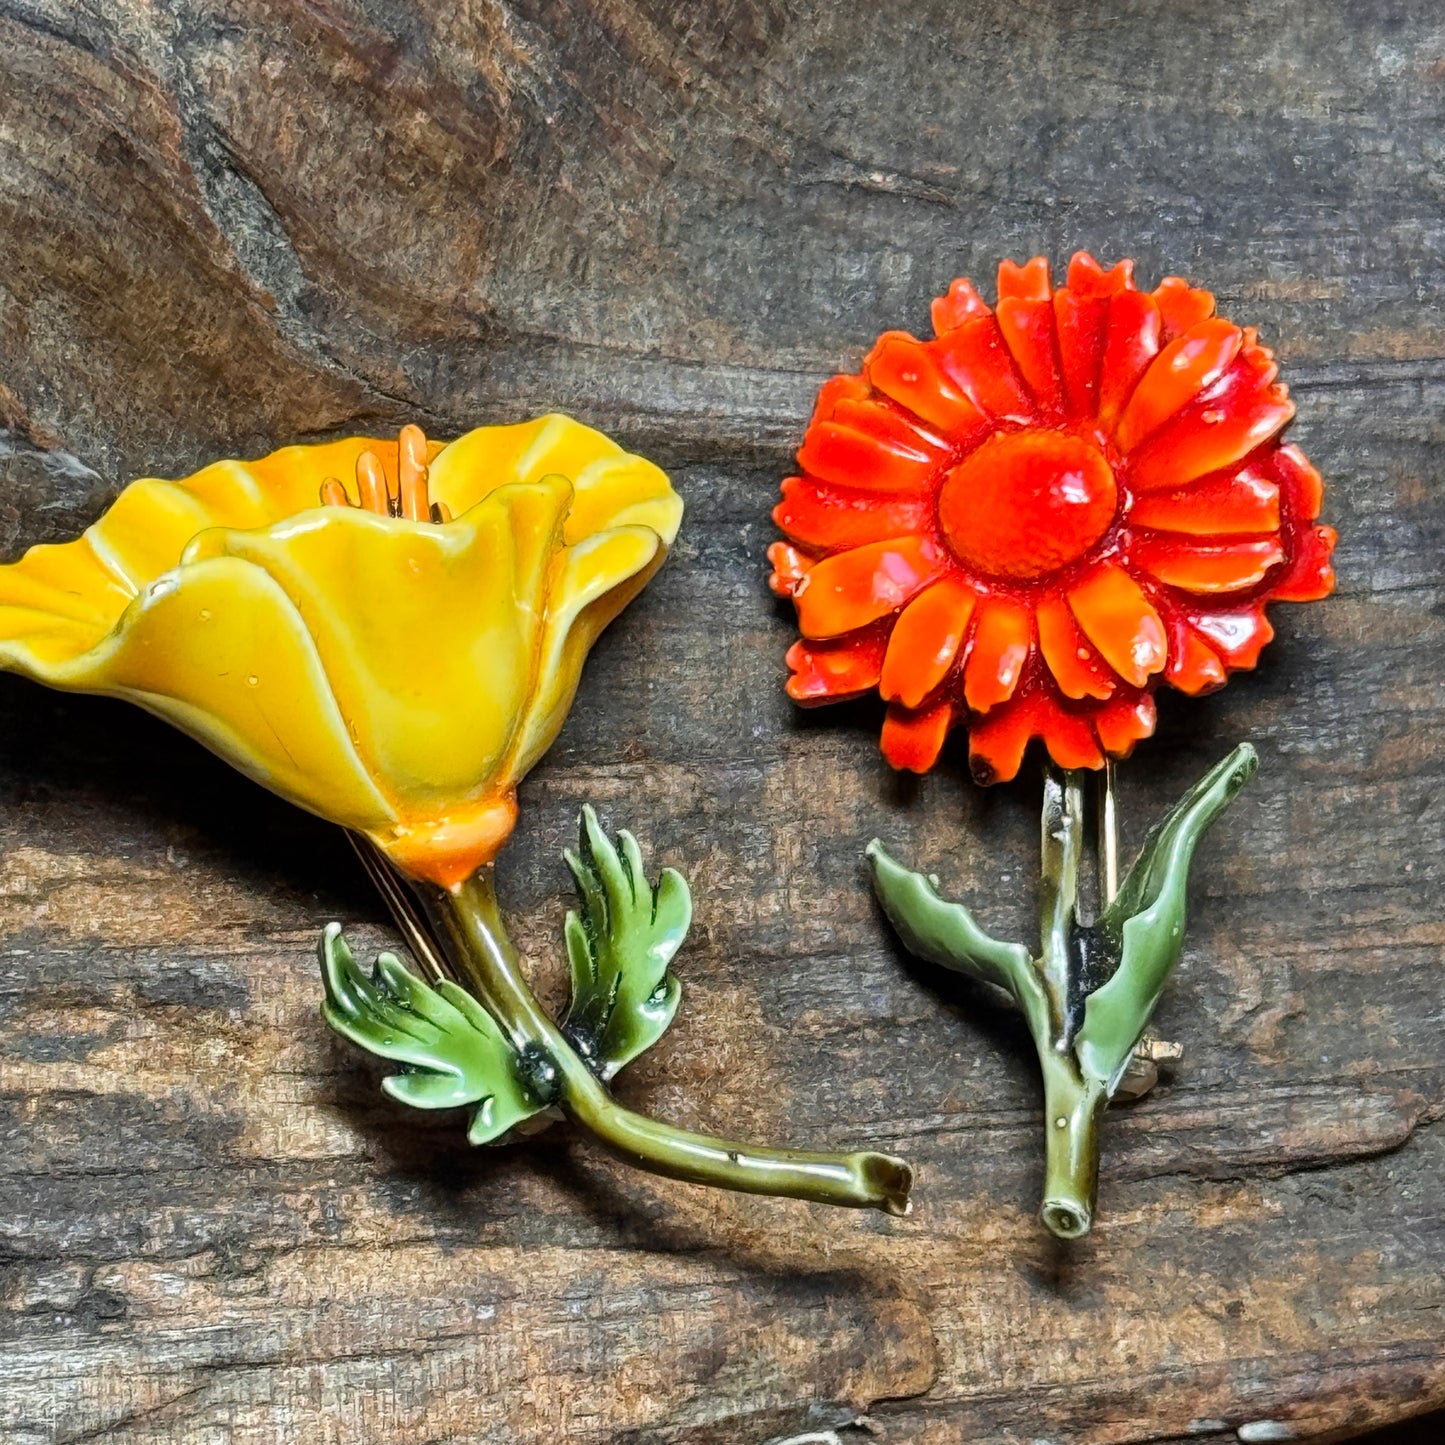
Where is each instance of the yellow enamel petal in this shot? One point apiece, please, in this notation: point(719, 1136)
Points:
point(32, 640)
point(623, 491)
point(65, 583)
point(612, 487)
point(232, 495)
point(479, 462)
point(219, 650)
point(428, 635)
point(147, 529)
point(590, 584)
point(565, 446)
point(149, 525)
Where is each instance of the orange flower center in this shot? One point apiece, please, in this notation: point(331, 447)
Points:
point(408, 498)
point(1027, 503)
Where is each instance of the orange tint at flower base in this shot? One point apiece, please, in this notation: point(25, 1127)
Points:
point(1025, 524)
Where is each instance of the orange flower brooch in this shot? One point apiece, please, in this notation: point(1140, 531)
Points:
point(1022, 527)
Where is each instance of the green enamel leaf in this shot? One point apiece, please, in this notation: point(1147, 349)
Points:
point(1148, 918)
point(451, 1050)
point(620, 945)
point(948, 934)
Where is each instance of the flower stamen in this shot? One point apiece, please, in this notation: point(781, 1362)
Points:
point(371, 484)
point(412, 472)
point(410, 497)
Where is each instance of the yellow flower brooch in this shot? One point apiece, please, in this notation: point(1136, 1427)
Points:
point(390, 634)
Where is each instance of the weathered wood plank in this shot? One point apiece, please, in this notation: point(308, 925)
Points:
point(224, 227)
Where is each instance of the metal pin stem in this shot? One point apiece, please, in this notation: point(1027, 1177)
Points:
point(403, 907)
point(1108, 839)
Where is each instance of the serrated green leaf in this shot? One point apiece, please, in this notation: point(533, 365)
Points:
point(619, 946)
point(948, 934)
point(452, 1051)
point(1148, 918)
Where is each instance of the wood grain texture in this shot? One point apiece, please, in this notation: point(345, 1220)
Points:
point(225, 226)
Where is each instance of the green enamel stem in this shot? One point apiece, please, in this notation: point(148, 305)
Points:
point(1072, 1106)
point(1061, 847)
point(1088, 996)
point(861, 1180)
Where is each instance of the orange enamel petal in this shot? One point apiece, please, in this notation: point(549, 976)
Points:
point(1002, 637)
point(962, 303)
point(1075, 665)
point(790, 566)
point(1238, 635)
point(1068, 737)
point(1210, 440)
point(1132, 339)
point(848, 387)
point(1194, 667)
point(925, 641)
point(1175, 377)
point(852, 589)
point(1122, 723)
point(906, 371)
point(1000, 740)
point(333, 494)
point(1196, 566)
point(853, 458)
point(1310, 574)
point(1088, 278)
point(977, 361)
point(1029, 282)
point(1181, 305)
point(1028, 328)
point(1219, 506)
point(1121, 622)
point(913, 740)
point(828, 518)
point(1302, 483)
point(874, 417)
point(1241, 412)
point(1082, 322)
point(997, 743)
point(831, 671)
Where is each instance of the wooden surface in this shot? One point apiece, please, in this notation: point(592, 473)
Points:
point(226, 226)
